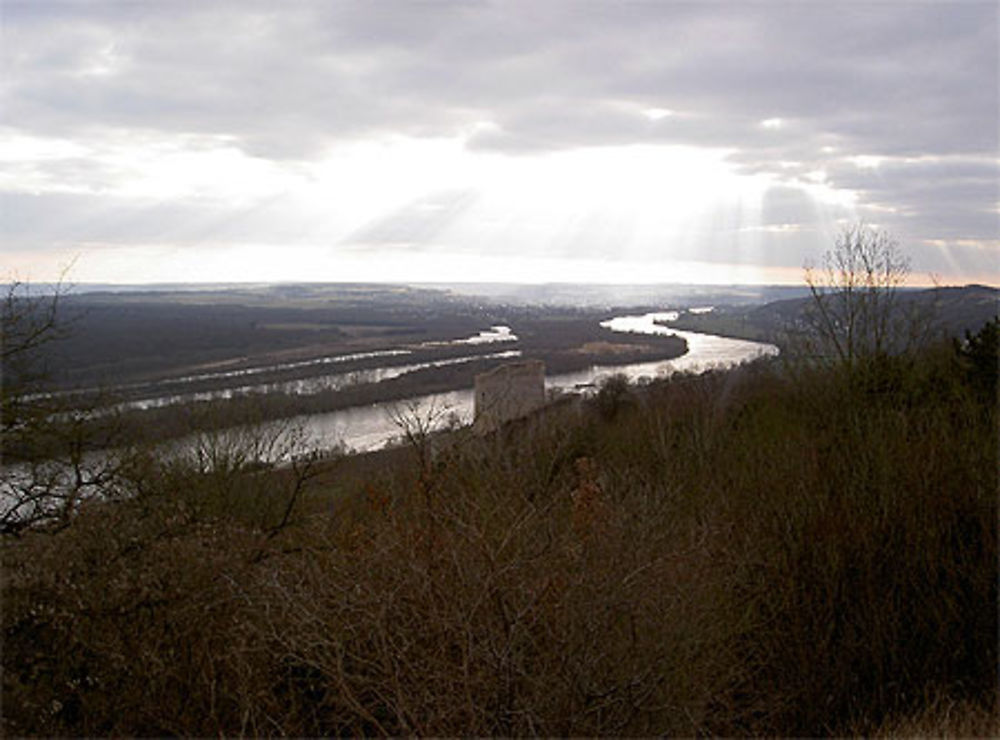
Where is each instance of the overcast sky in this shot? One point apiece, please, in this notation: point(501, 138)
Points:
point(151, 141)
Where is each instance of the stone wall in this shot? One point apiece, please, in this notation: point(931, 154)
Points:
point(508, 392)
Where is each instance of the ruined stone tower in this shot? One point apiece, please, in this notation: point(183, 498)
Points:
point(508, 392)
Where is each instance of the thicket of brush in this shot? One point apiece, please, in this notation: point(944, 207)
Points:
point(763, 551)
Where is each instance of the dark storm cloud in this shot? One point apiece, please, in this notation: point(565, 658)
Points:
point(892, 76)
point(954, 197)
point(836, 80)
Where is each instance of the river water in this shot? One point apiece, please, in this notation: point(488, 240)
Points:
point(371, 427)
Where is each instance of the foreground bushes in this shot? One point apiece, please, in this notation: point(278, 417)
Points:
point(739, 553)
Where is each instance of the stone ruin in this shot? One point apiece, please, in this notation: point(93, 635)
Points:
point(508, 392)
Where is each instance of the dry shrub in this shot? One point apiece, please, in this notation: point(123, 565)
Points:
point(125, 626)
point(942, 716)
point(738, 553)
point(491, 614)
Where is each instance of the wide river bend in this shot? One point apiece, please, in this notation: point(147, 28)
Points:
point(371, 427)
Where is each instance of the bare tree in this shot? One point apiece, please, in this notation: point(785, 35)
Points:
point(49, 458)
point(28, 323)
point(417, 423)
point(59, 450)
point(856, 312)
point(254, 473)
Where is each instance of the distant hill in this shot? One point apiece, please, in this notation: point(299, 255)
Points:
point(593, 295)
point(961, 309)
point(954, 310)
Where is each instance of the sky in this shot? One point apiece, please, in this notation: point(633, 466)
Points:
point(535, 141)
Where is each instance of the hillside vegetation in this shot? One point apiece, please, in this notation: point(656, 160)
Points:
point(775, 550)
point(940, 312)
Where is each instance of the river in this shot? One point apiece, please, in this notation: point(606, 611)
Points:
point(370, 427)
